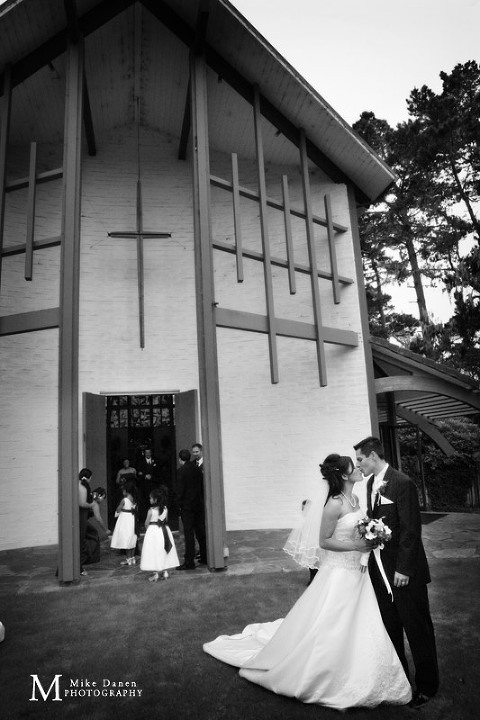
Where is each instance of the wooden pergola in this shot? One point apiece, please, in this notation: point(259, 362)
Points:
point(412, 389)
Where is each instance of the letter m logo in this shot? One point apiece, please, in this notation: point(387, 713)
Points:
point(54, 687)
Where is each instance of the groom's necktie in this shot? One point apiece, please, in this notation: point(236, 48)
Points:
point(375, 498)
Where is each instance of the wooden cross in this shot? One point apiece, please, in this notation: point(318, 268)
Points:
point(140, 235)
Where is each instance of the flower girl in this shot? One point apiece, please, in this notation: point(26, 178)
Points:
point(124, 536)
point(158, 551)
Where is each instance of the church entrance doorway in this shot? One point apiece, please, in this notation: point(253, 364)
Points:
point(123, 427)
point(135, 424)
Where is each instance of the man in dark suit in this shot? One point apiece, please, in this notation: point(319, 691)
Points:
point(189, 501)
point(197, 455)
point(393, 496)
point(147, 478)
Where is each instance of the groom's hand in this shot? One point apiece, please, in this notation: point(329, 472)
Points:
point(400, 580)
point(364, 545)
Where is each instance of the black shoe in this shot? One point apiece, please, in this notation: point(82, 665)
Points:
point(184, 566)
point(419, 700)
point(202, 562)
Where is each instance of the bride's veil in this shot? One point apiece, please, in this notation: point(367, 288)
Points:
point(303, 543)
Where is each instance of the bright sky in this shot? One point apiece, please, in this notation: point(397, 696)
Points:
point(369, 54)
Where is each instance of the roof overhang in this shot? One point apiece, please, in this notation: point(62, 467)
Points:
point(234, 48)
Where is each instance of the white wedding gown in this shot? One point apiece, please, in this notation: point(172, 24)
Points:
point(331, 648)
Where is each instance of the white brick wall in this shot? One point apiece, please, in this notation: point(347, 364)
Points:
point(28, 440)
point(274, 436)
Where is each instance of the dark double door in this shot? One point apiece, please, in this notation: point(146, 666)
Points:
point(124, 426)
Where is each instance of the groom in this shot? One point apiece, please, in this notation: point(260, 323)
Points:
point(391, 495)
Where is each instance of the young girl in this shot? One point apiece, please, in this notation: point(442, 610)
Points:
point(124, 536)
point(158, 551)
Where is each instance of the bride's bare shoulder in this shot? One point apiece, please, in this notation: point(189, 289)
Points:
point(333, 505)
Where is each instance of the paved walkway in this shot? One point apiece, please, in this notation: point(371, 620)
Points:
point(32, 570)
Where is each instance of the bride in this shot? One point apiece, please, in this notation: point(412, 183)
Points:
point(331, 648)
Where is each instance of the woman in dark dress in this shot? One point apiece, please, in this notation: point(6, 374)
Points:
point(96, 528)
point(85, 501)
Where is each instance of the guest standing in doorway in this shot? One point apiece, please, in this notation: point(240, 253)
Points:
point(189, 501)
point(126, 472)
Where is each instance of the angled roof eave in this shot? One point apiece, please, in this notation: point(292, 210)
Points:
point(255, 59)
point(375, 176)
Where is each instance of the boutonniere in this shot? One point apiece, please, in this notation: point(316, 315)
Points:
point(382, 487)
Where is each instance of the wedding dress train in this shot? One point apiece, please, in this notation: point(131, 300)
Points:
point(331, 648)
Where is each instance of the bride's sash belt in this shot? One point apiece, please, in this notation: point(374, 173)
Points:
point(378, 558)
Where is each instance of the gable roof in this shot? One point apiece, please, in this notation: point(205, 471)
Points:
point(33, 38)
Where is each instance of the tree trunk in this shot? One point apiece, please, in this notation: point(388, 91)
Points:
point(381, 310)
point(419, 292)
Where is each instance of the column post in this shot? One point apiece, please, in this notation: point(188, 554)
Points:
point(206, 323)
point(68, 428)
point(5, 114)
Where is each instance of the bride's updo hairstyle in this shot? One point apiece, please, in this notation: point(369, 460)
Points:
point(333, 468)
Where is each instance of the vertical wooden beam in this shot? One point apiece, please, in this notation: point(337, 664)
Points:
point(197, 47)
point(206, 326)
point(288, 236)
point(267, 266)
point(138, 12)
point(186, 125)
point(69, 549)
point(140, 270)
point(331, 247)
point(32, 189)
point(421, 468)
point(88, 120)
point(4, 133)
point(75, 35)
point(393, 445)
point(237, 217)
point(362, 300)
point(312, 259)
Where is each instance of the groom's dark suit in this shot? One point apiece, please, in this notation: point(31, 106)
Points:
point(404, 553)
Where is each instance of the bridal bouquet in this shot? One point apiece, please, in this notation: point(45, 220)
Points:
point(372, 529)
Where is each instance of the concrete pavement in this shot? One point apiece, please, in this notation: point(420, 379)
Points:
point(32, 570)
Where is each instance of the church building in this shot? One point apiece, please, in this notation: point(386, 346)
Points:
point(180, 262)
